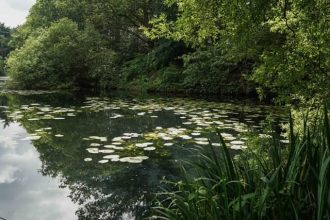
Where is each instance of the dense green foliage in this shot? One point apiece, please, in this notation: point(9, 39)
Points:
point(288, 41)
point(268, 181)
point(278, 47)
point(5, 33)
point(66, 43)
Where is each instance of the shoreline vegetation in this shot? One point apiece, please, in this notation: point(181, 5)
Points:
point(274, 50)
point(268, 180)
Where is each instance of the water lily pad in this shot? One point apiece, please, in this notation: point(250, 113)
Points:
point(285, 141)
point(110, 157)
point(166, 138)
point(107, 151)
point(116, 116)
point(131, 160)
point(103, 139)
point(201, 139)
point(142, 157)
point(109, 146)
point(238, 147)
point(202, 142)
point(237, 142)
point(33, 119)
point(142, 145)
point(186, 137)
point(226, 135)
point(93, 150)
point(116, 139)
point(149, 148)
point(195, 134)
point(229, 138)
point(32, 138)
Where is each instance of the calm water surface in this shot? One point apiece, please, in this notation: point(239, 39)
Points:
point(84, 157)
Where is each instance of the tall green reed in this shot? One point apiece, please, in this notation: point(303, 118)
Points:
point(292, 182)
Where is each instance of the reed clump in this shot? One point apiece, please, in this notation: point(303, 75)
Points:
point(291, 182)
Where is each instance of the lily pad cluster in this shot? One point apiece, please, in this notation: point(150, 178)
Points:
point(195, 119)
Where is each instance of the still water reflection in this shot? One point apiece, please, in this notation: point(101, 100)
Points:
point(24, 193)
point(71, 157)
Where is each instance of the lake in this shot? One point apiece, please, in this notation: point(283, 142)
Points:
point(69, 156)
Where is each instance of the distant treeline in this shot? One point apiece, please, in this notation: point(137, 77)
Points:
point(271, 47)
point(5, 33)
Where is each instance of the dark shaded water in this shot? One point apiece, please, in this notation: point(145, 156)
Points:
point(74, 157)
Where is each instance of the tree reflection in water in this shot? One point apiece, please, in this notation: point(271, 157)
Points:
point(113, 190)
point(118, 190)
